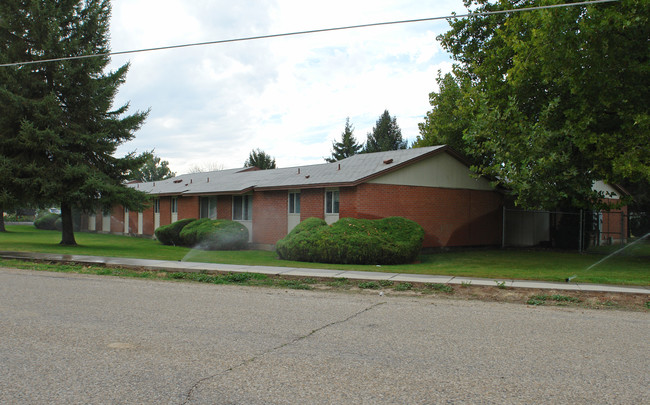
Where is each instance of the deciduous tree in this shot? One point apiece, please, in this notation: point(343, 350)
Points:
point(560, 94)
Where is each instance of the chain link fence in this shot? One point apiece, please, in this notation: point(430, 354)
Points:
point(579, 230)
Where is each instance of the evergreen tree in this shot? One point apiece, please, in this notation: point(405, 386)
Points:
point(153, 169)
point(58, 115)
point(385, 135)
point(260, 159)
point(347, 147)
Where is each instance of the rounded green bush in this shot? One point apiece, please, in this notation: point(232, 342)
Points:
point(170, 234)
point(217, 234)
point(188, 235)
point(391, 240)
point(47, 222)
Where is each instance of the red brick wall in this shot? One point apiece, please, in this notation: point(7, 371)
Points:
point(133, 221)
point(147, 221)
point(117, 219)
point(312, 203)
point(165, 211)
point(188, 207)
point(450, 217)
point(614, 226)
point(224, 207)
point(269, 216)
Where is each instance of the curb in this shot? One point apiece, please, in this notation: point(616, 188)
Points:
point(193, 267)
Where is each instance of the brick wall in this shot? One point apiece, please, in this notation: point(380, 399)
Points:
point(117, 219)
point(450, 217)
point(165, 211)
point(224, 207)
point(269, 216)
point(312, 203)
point(148, 221)
point(188, 207)
point(614, 223)
point(133, 221)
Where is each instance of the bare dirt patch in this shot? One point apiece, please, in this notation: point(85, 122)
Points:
point(536, 297)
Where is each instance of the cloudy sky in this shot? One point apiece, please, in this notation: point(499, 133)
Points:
point(290, 96)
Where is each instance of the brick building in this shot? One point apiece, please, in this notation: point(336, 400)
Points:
point(432, 186)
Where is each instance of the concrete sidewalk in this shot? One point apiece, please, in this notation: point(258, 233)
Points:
point(180, 266)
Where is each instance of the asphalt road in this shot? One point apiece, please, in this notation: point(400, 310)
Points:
point(72, 339)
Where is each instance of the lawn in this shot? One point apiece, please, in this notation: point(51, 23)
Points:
point(630, 266)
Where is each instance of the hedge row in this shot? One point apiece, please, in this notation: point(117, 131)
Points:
point(204, 234)
point(391, 240)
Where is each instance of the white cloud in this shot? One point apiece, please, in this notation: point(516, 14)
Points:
point(288, 96)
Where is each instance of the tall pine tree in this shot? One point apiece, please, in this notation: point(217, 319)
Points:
point(58, 116)
point(385, 135)
point(347, 147)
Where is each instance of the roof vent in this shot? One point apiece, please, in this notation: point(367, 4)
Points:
point(339, 167)
point(178, 181)
point(307, 176)
point(388, 161)
point(298, 170)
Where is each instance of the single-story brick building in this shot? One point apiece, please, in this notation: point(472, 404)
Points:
point(432, 186)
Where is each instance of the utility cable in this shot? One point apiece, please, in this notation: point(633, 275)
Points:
point(314, 31)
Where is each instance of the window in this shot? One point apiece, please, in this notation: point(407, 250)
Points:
point(331, 202)
point(294, 203)
point(174, 205)
point(156, 206)
point(242, 207)
point(208, 207)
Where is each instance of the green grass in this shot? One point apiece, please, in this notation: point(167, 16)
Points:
point(630, 267)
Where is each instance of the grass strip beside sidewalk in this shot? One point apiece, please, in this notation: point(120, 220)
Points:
point(630, 268)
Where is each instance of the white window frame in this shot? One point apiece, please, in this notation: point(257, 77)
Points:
point(246, 207)
point(333, 207)
point(294, 202)
point(173, 207)
point(208, 207)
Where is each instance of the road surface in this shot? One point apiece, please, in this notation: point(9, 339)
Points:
point(72, 339)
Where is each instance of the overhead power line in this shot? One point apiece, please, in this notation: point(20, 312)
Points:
point(314, 31)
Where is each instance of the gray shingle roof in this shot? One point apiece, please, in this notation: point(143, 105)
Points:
point(347, 172)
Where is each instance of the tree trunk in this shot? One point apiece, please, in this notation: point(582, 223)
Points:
point(67, 230)
point(2, 219)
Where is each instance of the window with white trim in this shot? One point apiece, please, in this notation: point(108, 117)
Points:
point(156, 205)
point(174, 205)
point(242, 207)
point(294, 203)
point(332, 202)
point(208, 207)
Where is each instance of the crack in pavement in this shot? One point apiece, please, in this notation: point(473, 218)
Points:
point(188, 396)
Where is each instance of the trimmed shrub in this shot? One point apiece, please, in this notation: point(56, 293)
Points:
point(48, 222)
point(217, 234)
point(188, 233)
point(391, 240)
point(170, 234)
